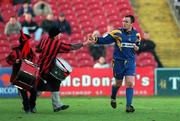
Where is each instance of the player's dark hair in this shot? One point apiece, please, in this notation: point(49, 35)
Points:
point(131, 17)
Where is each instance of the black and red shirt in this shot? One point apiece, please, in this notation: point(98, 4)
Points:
point(48, 49)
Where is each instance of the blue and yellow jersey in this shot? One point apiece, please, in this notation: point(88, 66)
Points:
point(124, 43)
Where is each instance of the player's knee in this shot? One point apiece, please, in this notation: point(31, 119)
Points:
point(129, 84)
point(118, 83)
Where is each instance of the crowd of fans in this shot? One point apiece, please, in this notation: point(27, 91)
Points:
point(25, 20)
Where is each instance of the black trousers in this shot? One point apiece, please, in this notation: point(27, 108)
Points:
point(48, 83)
point(29, 102)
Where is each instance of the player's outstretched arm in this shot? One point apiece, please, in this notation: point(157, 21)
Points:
point(79, 45)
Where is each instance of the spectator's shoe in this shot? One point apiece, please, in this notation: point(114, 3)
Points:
point(130, 109)
point(64, 107)
point(33, 110)
point(113, 103)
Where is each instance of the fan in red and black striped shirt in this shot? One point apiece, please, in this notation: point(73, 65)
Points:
point(48, 48)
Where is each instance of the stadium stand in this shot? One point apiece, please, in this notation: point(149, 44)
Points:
point(159, 22)
point(84, 18)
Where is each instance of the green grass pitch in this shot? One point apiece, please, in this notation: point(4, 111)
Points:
point(94, 109)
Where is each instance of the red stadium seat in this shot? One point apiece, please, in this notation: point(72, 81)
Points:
point(83, 55)
point(6, 7)
point(120, 2)
point(68, 56)
point(4, 50)
point(72, 18)
point(83, 50)
point(147, 62)
point(91, 2)
point(3, 56)
point(144, 56)
point(3, 63)
point(79, 7)
point(81, 13)
point(96, 13)
point(83, 18)
point(63, 7)
point(75, 38)
point(62, 2)
point(87, 30)
point(14, 43)
point(77, 2)
point(13, 37)
point(3, 36)
point(4, 43)
point(85, 63)
point(108, 5)
point(2, 27)
point(93, 6)
point(73, 63)
point(76, 30)
point(86, 24)
point(7, 14)
point(21, 19)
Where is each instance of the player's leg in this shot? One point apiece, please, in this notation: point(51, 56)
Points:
point(114, 91)
point(118, 70)
point(129, 93)
point(129, 80)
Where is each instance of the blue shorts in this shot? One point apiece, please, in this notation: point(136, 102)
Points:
point(123, 68)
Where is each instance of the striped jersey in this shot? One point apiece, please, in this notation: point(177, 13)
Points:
point(48, 49)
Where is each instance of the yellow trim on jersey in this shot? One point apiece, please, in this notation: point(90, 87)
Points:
point(112, 33)
point(119, 44)
point(117, 38)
